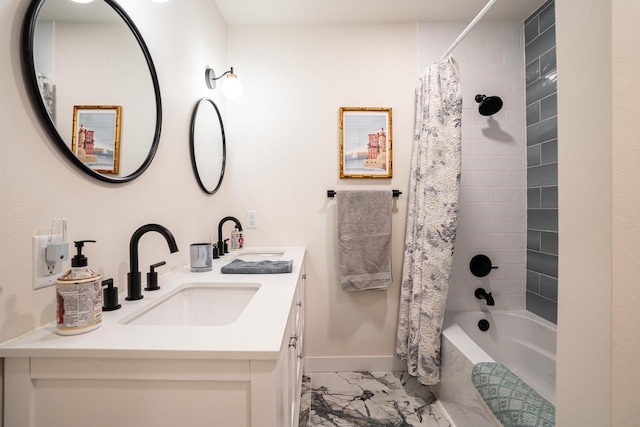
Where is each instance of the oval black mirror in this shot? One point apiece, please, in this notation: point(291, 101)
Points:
point(208, 145)
point(94, 86)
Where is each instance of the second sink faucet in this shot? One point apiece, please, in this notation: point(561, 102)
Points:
point(220, 240)
point(134, 277)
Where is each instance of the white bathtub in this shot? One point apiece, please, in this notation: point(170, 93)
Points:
point(520, 340)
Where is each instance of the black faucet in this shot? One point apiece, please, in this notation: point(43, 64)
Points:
point(221, 251)
point(134, 277)
point(482, 294)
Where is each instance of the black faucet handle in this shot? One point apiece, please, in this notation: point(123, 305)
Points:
point(215, 251)
point(226, 246)
point(109, 296)
point(152, 277)
point(156, 265)
point(480, 265)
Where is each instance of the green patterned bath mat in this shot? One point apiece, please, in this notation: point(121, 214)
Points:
point(512, 401)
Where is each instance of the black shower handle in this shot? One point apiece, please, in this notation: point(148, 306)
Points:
point(480, 265)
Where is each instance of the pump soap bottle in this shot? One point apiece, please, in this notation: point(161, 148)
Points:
point(79, 296)
point(237, 240)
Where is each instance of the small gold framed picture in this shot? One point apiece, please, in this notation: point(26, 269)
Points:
point(96, 136)
point(365, 142)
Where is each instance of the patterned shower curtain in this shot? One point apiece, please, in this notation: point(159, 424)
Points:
point(431, 220)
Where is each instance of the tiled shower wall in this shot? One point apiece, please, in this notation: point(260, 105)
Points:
point(492, 209)
point(542, 162)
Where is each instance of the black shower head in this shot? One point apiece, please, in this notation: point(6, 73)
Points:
point(489, 105)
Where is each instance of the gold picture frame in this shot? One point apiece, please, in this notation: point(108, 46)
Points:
point(365, 142)
point(96, 136)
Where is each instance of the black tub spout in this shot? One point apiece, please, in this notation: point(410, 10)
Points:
point(482, 294)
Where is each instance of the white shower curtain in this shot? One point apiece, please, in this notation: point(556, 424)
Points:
point(431, 220)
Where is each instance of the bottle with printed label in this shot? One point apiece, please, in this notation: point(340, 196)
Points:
point(237, 240)
point(79, 297)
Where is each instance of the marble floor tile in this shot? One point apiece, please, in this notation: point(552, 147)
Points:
point(428, 409)
point(371, 399)
point(305, 401)
point(367, 408)
point(356, 381)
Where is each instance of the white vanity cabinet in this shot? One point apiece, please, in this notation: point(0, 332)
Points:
point(160, 387)
point(294, 358)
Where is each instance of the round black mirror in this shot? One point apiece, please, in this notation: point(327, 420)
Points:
point(93, 85)
point(208, 145)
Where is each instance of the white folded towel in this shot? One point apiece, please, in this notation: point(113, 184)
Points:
point(364, 239)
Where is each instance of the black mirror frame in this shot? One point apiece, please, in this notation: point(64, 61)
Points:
point(192, 146)
point(29, 70)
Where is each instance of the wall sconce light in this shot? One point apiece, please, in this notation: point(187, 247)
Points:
point(231, 86)
point(82, 1)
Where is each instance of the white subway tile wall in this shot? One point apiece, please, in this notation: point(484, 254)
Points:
point(492, 210)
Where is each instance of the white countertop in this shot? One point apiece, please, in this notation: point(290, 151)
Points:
point(256, 334)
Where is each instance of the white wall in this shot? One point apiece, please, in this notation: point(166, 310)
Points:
point(583, 381)
point(38, 183)
point(43, 41)
point(492, 210)
point(626, 203)
point(284, 139)
point(598, 341)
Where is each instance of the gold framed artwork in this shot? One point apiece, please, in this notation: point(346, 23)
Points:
point(96, 136)
point(365, 142)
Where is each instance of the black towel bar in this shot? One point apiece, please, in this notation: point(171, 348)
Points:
point(332, 193)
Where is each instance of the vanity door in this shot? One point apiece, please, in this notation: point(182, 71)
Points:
point(296, 361)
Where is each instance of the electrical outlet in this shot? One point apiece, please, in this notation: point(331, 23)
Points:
point(252, 219)
point(44, 274)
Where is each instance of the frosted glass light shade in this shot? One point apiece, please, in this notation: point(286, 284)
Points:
point(232, 87)
point(82, 1)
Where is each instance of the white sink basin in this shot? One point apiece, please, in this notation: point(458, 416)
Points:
point(260, 256)
point(197, 304)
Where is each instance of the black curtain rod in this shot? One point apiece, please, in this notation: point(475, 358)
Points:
point(332, 193)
